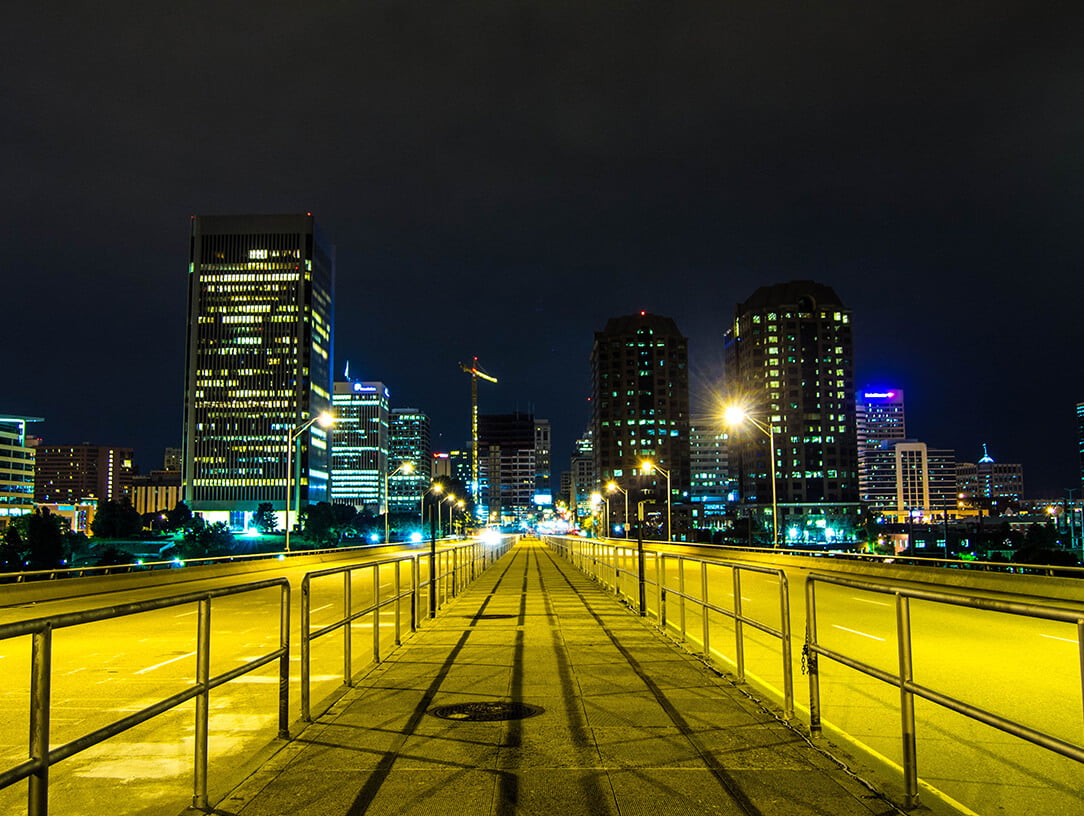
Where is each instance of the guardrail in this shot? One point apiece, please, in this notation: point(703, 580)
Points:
point(904, 678)
point(609, 564)
point(450, 570)
point(42, 757)
point(171, 563)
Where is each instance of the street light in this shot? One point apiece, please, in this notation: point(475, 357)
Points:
point(451, 499)
point(646, 467)
point(612, 487)
point(325, 420)
point(405, 467)
point(596, 501)
point(735, 415)
point(436, 488)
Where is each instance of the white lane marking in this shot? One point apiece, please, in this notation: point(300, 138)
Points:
point(317, 609)
point(856, 632)
point(867, 600)
point(1067, 640)
point(164, 663)
point(186, 614)
point(76, 671)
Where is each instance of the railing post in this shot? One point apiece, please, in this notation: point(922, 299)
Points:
point(784, 628)
point(660, 562)
point(203, 674)
point(376, 613)
point(810, 652)
point(306, 648)
point(681, 592)
point(658, 583)
point(739, 629)
point(40, 693)
point(415, 592)
point(907, 701)
point(705, 631)
point(348, 627)
point(398, 603)
point(284, 663)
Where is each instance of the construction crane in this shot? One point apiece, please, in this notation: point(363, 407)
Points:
point(475, 373)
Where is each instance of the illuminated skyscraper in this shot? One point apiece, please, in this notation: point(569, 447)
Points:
point(409, 441)
point(790, 361)
point(16, 467)
point(359, 449)
point(1080, 441)
point(67, 474)
point(640, 400)
point(511, 464)
point(258, 361)
point(879, 418)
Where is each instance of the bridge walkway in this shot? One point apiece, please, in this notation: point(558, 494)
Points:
point(623, 722)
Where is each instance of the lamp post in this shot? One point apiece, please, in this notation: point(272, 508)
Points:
point(404, 467)
point(736, 415)
point(646, 467)
point(451, 499)
point(325, 420)
point(436, 488)
point(612, 487)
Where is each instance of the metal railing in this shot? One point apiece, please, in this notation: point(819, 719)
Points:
point(608, 564)
point(454, 569)
point(904, 678)
point(42, 757)
point(167, 564)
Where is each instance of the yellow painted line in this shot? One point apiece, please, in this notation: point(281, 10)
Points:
point(856, 632)
point(164, 663)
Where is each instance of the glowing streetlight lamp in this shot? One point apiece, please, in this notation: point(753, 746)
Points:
point(646, 467)
point(613, 487)
point(405, 467)
point(324, 420)
point(736, 415)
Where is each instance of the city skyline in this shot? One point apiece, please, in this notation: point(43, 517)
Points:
point(499, 183)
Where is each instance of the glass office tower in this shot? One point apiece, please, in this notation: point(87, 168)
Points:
point(260, 293)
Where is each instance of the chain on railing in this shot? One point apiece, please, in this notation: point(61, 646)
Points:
point(904, 678)
point(608, 564)
point(43, 757)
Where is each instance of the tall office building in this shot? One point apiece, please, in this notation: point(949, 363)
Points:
point(359, 445)
point(409, 441)
point(990, 480)
point(909, 481)
point(16, 467)
point(1080, 442)
point(879, 418)
point(67, 474)
point(790, 361)
point(258, 362)
point(640, 399)
point(543, 435)
point(508, 466)
point(710, 486)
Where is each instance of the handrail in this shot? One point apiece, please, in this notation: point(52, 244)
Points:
point(42, 757)
point(455, 568)
point(904, 678)
point(586, 555)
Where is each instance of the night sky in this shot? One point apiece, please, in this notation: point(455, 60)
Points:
point(499, 178)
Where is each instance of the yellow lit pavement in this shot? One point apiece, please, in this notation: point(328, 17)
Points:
point(623, 722)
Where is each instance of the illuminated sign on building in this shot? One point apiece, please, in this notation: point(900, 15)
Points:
point(878, 395)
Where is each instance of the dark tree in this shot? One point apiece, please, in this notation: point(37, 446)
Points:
point(46, 540)
point(203, 540)
point(180, 517)
point(117, 519)
point(265, 520)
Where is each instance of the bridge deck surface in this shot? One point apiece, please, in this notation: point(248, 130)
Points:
point(630, 723)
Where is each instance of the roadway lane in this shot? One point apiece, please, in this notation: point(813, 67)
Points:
point(104, 671)
point(1020, 668)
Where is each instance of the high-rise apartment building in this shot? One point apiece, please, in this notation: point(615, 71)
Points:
point(543, 436)
point(1080, 441)
point(66, 474)
point(258, 362)
point(359, 445)
point(640, 399)
point(508, 466)
point(409, 441)
point(879, 418)
point(16, 467)
point(790, 363)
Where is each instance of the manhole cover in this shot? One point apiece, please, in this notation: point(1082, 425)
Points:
point(486, 711)
point(493, 616)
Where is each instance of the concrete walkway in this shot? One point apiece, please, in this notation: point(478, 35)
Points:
point(628, 723)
